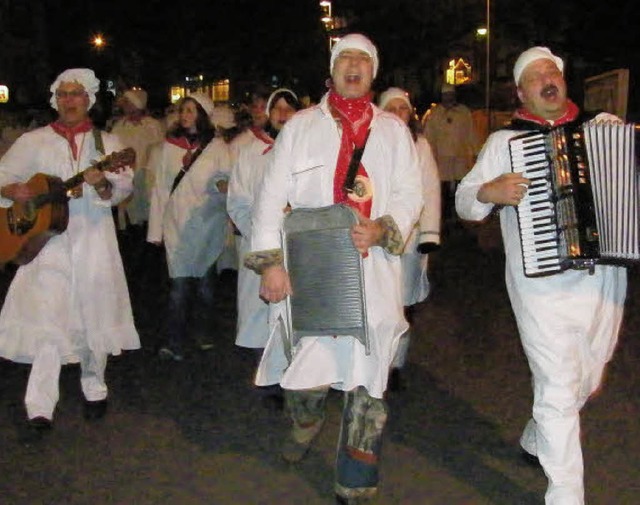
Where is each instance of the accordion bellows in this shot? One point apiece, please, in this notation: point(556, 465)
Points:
point(326, 275)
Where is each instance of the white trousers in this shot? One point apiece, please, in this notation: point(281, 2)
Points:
point(565, 374)
point(43, 386)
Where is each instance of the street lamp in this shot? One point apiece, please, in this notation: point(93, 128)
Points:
point(98, 41)
point(487, 103)
point(327, 19)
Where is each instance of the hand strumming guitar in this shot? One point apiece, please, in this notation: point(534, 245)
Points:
point(18, 192)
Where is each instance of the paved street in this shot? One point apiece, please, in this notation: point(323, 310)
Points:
point(196, 432)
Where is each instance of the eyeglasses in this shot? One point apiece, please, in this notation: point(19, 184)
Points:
point(356, 56)
point(76, 93)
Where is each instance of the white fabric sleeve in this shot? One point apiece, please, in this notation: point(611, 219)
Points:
point(431, 213)
point(406, 197)
point(492, 162)
point(240, 197)
point(267, 215)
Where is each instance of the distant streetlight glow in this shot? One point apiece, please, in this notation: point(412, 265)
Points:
point(327, 19)
point(481, 31)
point(98, 41)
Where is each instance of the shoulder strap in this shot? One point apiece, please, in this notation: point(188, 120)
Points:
point(183, 171)
point(97, 136)
point(354, 164)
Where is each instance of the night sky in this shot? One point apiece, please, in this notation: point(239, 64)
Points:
point(155, 43)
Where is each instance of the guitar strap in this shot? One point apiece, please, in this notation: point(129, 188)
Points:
point(97, 137)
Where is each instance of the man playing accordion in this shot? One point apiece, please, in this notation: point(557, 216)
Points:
point(569, 322)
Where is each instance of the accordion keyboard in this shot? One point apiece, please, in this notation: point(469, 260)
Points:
point(536, 216)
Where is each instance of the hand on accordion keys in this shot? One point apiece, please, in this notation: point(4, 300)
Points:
point(506, 189)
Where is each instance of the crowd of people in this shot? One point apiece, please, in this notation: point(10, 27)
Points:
point(210, 187)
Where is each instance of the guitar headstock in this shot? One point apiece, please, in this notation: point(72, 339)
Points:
point(117, 160)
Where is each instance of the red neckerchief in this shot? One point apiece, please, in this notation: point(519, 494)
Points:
point(184, 143)
point(262, 135)
point(70, 132)
point(570, 114)
point(355, 115)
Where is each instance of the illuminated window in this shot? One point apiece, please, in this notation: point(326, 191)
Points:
point(459, 72)
point(221, 91)
point(177, 92)
point(4, 93)
point(325, 8)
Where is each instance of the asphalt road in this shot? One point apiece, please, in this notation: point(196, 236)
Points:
point(197, 432)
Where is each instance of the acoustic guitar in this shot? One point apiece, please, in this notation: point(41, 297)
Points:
point(26, 227)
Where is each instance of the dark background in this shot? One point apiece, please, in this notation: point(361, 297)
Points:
point(154, 44)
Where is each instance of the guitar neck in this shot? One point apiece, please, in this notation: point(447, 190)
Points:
point(79, 177)
point(111, 162)
point(59, 192)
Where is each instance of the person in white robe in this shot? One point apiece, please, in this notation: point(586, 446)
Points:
point(309, 168)
point(246, 178)
point(252, 323)
point(136, 129)
point(450, 130)
point(223, 119)
point(568, 322)
point(188, 215)
point(425, 236)
point(70, 303)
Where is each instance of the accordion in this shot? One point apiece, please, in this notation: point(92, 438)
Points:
point(326, 275)
point(581, 207)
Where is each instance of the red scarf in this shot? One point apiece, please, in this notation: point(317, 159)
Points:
point(70, 132)
point(570, 114)
point(184, 143)
point(262, 135)
point(355, 115)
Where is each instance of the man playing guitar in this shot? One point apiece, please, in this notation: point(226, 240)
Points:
point(69, 303)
